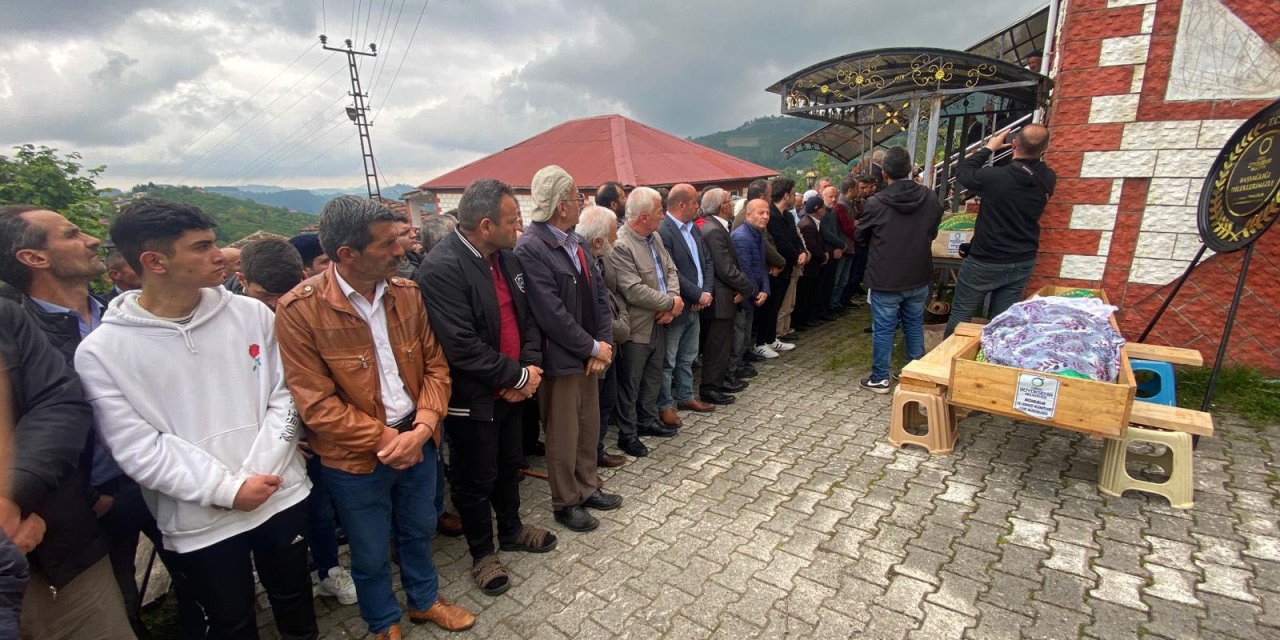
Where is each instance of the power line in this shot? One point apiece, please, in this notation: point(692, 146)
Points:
point(402, 59)
point(235, 110)
point(381, 70)
point(250, 135)
point(300, 136)
point(319, 133)
point(324, 19)
point(323, 153)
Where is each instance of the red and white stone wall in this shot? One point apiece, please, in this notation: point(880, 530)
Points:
point(1147, 93)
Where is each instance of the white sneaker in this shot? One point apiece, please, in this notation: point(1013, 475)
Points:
point(779, 345)
point(339, 585)
point(764, 351)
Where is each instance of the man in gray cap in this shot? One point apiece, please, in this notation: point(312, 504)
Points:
point(570, 303)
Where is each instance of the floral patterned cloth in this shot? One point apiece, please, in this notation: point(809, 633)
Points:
point(1056, 334)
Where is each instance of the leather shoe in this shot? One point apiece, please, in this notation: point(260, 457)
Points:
point(576, 519)
point(747, 371)
point(733, 385)
point(658, 430)
point(449, 524)
point(610, 460)
point(446, 615)
point(670, 418)
point(601, 501)
point(391, 633)
point(633, 447)
point(694, 404)
point(752, 356)
point(715, 397)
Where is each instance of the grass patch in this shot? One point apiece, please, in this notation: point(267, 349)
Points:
point(1244, 391)
point(854, 346)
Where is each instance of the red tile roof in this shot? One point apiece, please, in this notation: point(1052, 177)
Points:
point(603, 148)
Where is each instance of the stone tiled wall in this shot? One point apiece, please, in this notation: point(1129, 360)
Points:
point(1131, 162)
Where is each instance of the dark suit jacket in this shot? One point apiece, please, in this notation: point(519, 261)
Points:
point(685, 265)
point(814, 244)
point(729, 278)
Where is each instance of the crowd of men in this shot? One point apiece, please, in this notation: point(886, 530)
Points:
point(331, 387)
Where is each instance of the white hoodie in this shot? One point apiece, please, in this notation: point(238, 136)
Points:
point(190, 411)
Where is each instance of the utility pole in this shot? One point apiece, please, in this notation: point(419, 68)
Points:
point(359, 113)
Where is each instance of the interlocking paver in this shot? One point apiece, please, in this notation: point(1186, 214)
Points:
point(788, 514)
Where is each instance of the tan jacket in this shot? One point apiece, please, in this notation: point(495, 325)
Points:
point(331, 369)
point(630, 273)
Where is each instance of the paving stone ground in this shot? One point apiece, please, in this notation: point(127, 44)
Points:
point(789, 515)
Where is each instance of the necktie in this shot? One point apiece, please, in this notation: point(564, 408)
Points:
point(582, 260)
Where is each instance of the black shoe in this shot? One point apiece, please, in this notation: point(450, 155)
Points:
point(733, 385)
point(867, 330)
point(715, 397)
point(831, 316)
point(601, 501)
point(576, 519)
point(850, 304)
point(535, 449)
point(633, 447)
point(746, 371)
point(751, 356)
point(660, 431)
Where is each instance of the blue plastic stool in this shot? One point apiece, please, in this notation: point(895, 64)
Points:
point(1159, 388)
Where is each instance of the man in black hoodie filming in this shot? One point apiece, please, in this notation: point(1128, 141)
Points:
point(1007, 236)
point(897, 227)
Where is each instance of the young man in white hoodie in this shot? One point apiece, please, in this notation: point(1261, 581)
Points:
point(190, 397)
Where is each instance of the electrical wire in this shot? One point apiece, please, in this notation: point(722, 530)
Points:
point(402, 59)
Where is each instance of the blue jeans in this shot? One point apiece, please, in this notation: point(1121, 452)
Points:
point(677, 366)
point(1004, 282)
point(368, 505)
point(843, 269)
point(887, 308)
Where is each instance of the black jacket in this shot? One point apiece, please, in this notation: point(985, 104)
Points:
point(51, 428)
point(899, 224)
point(674, 240)
point(729, 278)
point(462, 305)
point(572, 315)
point(1013, 199)
point(785, 238)
point(815, 244)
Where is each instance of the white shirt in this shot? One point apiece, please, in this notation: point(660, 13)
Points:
point(724, 223)
point(396, 400)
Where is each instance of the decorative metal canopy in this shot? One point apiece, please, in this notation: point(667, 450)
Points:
point(869, 88)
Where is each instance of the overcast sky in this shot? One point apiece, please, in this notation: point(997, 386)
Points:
point(202, 92)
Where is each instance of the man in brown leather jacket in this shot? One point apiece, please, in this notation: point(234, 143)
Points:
point(372, 386)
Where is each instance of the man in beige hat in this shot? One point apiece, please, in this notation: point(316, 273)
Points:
point(570, 303)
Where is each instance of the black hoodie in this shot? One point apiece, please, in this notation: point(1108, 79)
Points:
point(899, 224)
point(1013, 198)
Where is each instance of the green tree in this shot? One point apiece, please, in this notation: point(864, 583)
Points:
point(39, 176)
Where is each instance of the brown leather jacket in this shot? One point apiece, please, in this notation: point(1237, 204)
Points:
point(329, 363)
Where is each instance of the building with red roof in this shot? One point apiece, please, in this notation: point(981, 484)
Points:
point(597, 150)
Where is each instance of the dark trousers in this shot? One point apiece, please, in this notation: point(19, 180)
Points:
point(485, 457)
point(806, 294)
point(826, 282)
point(717, 348)
point(532, 423)
point(766, 317)
point(13, 584)
point(128, 518)
point(1004, 282)
point(639, 374)
point(608, 401)
point(857, 271)
point(322, 522)
point(221, 578)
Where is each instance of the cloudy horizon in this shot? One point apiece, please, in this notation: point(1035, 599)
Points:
point(236, 92)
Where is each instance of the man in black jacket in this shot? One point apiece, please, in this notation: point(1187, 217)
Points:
point(474, 290)
point(898, 227)
point(51, 261)
point(731, 287)
point(786, 239)
point(683, 241)
point(71, 592)
point(1002, 255)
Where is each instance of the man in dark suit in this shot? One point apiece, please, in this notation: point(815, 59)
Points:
point(808, 295)
point(683, 241)
point(730, 288)
point(474, 290)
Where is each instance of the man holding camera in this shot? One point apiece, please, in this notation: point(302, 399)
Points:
point(1002, 255)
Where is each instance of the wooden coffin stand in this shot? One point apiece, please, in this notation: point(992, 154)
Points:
point(949, 376)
